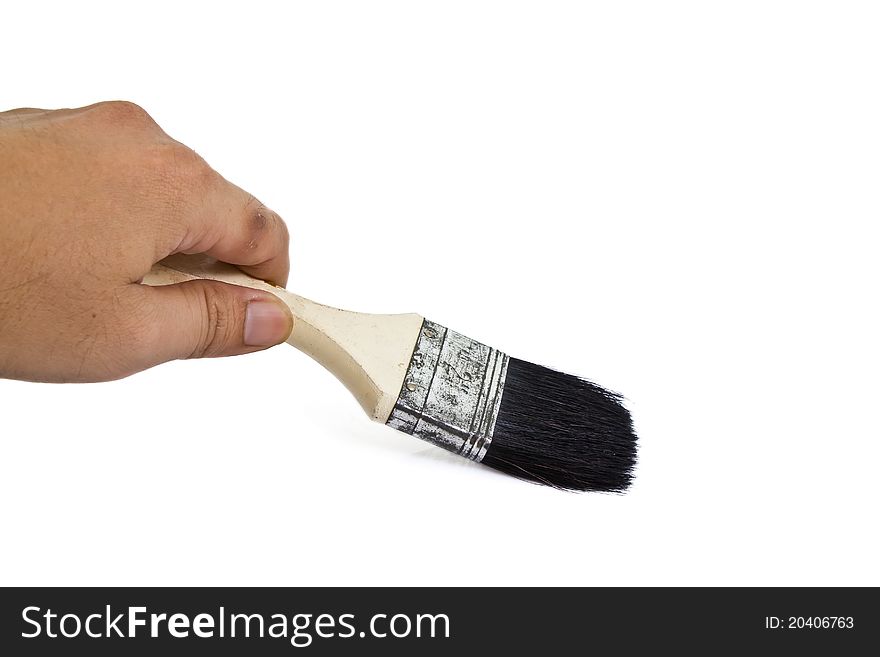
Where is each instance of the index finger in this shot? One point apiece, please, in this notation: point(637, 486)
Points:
point(231, 225)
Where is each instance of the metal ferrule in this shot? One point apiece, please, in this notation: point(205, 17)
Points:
point(452, 392)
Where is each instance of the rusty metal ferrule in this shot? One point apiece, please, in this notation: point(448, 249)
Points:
point(452, 392)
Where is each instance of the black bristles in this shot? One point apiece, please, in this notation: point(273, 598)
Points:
point(561, 430)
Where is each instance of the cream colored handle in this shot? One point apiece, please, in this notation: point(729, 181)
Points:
point(366, 352)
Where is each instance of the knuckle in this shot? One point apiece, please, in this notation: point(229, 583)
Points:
point(219, 322)
point(182, 168)
point(123, 113)
point(263, 223)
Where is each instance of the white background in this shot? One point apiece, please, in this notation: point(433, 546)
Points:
point(678, 200)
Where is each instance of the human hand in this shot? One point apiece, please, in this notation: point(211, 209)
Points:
point(90, 199)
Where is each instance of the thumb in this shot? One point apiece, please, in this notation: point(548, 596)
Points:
point(203, 319)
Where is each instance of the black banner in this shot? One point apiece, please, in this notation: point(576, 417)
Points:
point(407, 621)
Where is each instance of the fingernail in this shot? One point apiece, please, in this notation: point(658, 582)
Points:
point(265, 324)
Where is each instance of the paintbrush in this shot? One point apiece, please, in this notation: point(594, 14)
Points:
point(429, 381)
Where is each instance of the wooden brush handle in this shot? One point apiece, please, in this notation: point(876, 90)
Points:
point(368, 353)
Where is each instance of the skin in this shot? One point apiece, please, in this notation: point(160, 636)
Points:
point(90, 199)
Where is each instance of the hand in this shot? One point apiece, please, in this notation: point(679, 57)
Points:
point(90, 199)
